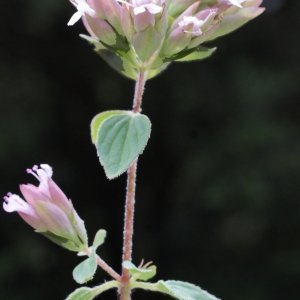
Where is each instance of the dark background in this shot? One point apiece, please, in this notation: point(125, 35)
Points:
point(218, 196)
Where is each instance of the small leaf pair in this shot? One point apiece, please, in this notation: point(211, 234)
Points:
point(120, 137)
point(143, 273)
point(177, 289)
point(86, 269)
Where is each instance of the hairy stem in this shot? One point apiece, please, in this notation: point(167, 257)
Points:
point(130, 196)
point(101, 263)
point(139, 90)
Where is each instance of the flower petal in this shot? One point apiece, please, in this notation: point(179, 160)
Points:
point(76, 17)
point(58, 197)
point(16, 203)
point(153, 9)
point(56, 220)
point(236, 2)
point(139, 10)
point(31, 193)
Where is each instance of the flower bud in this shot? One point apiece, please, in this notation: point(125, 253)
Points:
point(102, 30)
point(188, 30)
point(48, 210)
point(97, 7)
point(112, 11)
point(127, 22)
point(234, 17)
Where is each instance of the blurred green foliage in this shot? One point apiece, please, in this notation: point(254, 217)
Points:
point(218, 194)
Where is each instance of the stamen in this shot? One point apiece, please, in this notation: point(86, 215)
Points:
point(30, 171)
point(7, 196)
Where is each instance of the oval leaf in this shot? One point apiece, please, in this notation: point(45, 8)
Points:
point(98, 119)
point(82, 294)
point(99, 238)
point(86, 293)
point(184, 290)
point(86, 269)
point(121, 138)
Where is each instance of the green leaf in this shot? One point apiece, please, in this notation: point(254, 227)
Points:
point(139, 273)
point(70, 246)
point(121, 138)
point(99, 238)
point(200, 53)
point(92, 40)
point(120, 45)
point(184, 290)
point(86, 269)
point(86, 293)
point(197, 53)
point(82, 294)
point(98, 119)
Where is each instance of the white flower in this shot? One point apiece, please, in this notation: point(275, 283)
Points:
point(192, 21)
point(140, 6)
point(83, 8)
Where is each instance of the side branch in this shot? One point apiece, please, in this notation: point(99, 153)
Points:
point(101, 263)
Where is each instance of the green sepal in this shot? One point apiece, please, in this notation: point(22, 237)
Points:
point(60, 241)
point(139, 273)
point(71, 246)
point(86, 293)
point(121, 138)
point(183, 290)
point(98, 119)
point(197, 53)
point(146, 42)
point(121, 43)
point(86, 269)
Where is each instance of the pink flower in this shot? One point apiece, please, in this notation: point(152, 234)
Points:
point(48, 210)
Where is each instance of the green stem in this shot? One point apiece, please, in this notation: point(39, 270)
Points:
point(125, 290)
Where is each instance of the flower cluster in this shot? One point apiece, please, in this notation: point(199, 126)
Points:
point(148, 34)
point(48, 210)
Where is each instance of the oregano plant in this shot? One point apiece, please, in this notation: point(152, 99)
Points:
point(139, 39)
